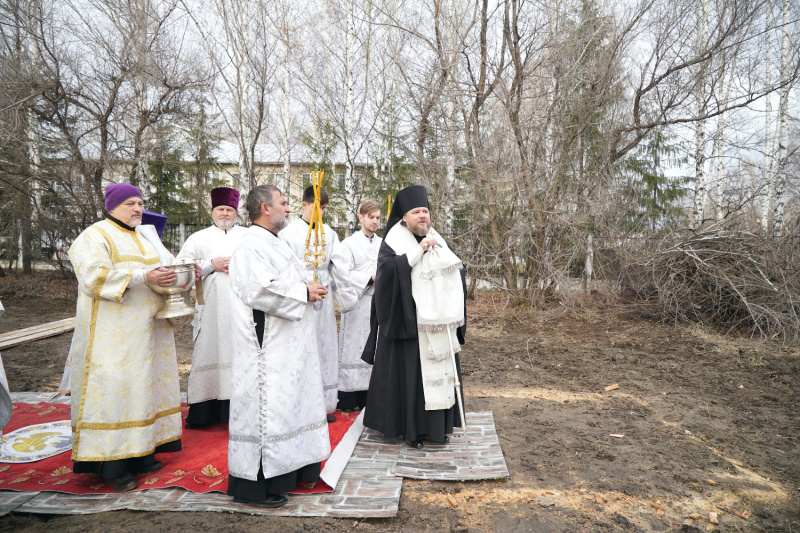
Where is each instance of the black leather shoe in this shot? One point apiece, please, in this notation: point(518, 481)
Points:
point(150, 469)
point(123, 483)
point(272, 501)
point(196, 426)
point(416, 443)
point(331, 419)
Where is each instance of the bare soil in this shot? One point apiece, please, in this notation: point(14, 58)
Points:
point(699, 422)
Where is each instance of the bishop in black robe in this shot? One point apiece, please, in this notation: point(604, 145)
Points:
point(396, 400)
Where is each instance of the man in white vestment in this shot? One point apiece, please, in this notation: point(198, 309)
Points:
point(278, 428)
point(125, 387)
point(360, 250)
point(210, 377)
point(330, 274)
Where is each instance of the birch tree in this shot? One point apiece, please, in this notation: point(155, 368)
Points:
point(768, 172)
point(86, 114)
point(345, 94)
point(728, 71)
point(787, 76)
point(286, 31)
point(701, 189)
point(236, 40)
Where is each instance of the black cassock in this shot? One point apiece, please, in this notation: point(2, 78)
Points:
point(396, 400)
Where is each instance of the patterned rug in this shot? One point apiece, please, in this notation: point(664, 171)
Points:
point(35, 460)
point(369, 484)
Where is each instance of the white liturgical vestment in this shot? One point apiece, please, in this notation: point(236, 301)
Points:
point(125, 387)
point(361, 259)
point(277, 409)
point(210, 377)
point(331, 275)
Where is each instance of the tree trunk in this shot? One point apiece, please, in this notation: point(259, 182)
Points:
point(286, 117)
point(729, 66)
point(700, 131)
point(769, 183)
point(26, 234)
point(451, 64)
point(350, 192)
point(783, 126)
point(245, 135)
point(588, 269)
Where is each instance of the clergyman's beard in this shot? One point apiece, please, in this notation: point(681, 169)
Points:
point(224, 224)
point(135, 222)
point(279, 225)
point(420, 231)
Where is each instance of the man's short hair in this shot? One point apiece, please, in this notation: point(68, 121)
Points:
point(368, 207)
point(308, 195)
point(262, 194)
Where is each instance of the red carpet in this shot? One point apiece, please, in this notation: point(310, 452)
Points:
point(201, 466)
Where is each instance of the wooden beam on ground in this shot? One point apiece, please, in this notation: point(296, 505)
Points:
point(34, 333)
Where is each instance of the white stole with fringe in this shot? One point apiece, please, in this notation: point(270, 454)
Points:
point(439, 298)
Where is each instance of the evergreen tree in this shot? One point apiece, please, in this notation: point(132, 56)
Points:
point(653, 192)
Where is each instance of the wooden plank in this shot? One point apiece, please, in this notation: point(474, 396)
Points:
point(35, 333)
point(66, 323)
point(27, 332)
point(46, 325)
point(16, 341)
point(35, 329)
point(7, 343)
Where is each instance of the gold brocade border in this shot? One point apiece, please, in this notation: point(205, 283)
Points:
point(124, 287)
point(86, 362)
point(101, 426)
point(115, 255)
point(101, 280)
point(138, 243)
point(127, 456)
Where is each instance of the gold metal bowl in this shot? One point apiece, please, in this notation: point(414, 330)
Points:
point(175, 304)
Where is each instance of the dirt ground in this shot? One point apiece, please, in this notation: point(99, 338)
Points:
point(699, 422)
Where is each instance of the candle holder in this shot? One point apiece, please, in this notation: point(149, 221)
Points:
point(315, 252)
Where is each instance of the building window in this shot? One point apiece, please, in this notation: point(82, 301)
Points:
point(306, 179)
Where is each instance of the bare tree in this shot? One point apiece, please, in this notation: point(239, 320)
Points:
point(91, 101)
point(768, 139)
point(788, 75)
point(242, 54)
point(344, 97)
